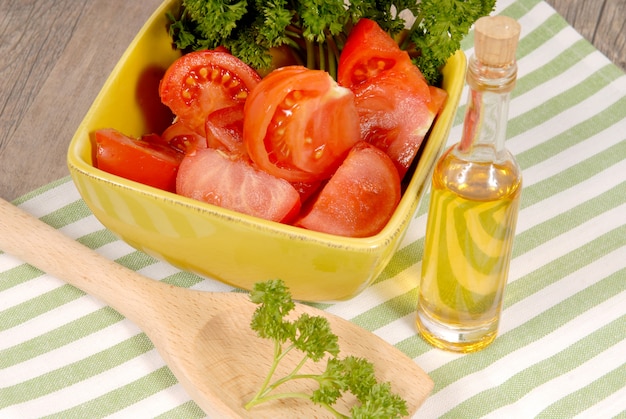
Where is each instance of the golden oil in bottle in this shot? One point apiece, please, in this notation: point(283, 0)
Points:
point(469, 239)
point(474, 203)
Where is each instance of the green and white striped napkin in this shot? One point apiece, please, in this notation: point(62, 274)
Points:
point(562, 345)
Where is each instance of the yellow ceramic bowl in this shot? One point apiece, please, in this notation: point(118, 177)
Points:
point(225, 245)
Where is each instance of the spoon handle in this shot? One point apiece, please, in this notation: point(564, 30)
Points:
point(46, 248)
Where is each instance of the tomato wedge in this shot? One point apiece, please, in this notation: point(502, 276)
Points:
point(394, 116)
point(299, 124)
point(201, 82)
point(212, 176)
point(151, 163)
point(224, 130)
point(368, 52)
point(391, 94)
point(359, 199)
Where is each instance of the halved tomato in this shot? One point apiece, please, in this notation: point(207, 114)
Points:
point(214, 177)
point(201, 82)
point(359, 199)
point(151, 163)
point(299, 124)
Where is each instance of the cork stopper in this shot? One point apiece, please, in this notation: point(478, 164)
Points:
point(495, 40)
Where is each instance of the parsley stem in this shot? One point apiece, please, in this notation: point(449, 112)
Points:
point(291, 375)
point(312, 338)
point(265, 386)
point(414, 27)
point(310, 54)
point(276, 396)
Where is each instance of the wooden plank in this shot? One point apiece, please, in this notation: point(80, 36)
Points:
point(54, 57)
point(601, 22)
point(610, 36)
point(582, 15)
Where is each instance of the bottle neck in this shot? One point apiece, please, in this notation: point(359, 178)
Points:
point(486, 116)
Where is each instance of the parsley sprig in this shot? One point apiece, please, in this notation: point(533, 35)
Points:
point(316, 30)
point(312, 336)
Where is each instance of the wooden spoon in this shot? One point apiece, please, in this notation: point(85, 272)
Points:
point(204, 337)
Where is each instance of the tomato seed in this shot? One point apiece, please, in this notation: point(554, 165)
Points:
point(288, 102)
point(319, 152)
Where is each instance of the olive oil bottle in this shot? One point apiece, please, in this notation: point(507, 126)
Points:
point(474, 203)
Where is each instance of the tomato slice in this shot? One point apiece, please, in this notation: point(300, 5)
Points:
point(359, 199)
point(369, 51)
point(211, 176)
point(395, 104)
point(183, 139)
point(394, 116)
point(200, 82)
point(224, 130)
point(151, 163)
point(299, 124)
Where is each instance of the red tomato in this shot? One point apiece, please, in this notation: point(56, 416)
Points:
point(359, 199)
point(211, 176)
point(183, 139)
point(394, 116)
point(224, 130)
point(368, 52)
point(200, 82)
point(150, 163)
point(299, 124)
point(391, 95)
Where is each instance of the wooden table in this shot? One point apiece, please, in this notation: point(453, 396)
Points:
point(56, 54)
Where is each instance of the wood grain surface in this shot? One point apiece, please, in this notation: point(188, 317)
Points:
point(56, 54)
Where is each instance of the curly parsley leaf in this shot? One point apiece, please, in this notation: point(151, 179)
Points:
point(317, 29)
point(312, 336)
point(275, 303)
point(439, 27)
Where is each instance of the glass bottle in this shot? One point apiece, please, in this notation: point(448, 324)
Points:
point(474, 203)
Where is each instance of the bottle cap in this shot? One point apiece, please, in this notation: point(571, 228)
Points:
point(495, 40)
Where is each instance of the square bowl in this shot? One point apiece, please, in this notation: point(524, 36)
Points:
point(234, 248)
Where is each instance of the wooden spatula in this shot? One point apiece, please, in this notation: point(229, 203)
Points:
point(204, 337)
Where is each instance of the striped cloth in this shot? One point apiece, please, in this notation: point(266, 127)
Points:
point(562, 345)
